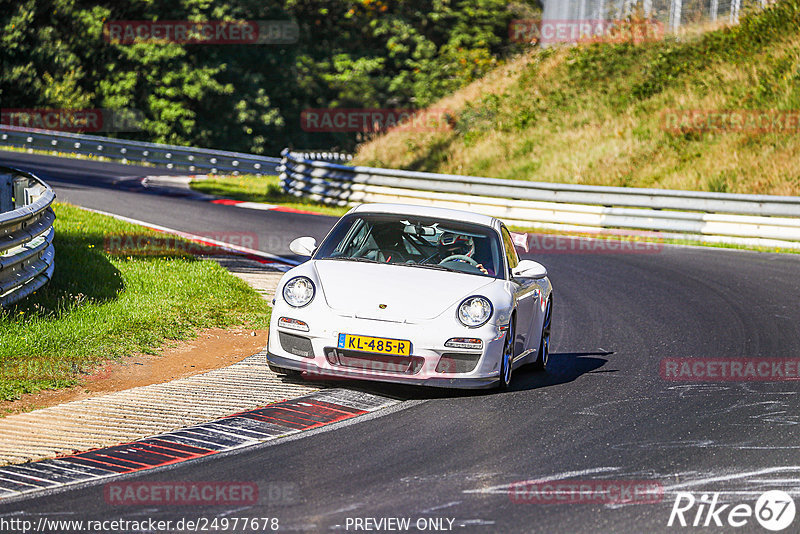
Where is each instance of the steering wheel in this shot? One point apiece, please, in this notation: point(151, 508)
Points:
point(460, 257)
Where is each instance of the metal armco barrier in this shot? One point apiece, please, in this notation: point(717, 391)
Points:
point(169, 156)
point(760, 220)
point(27, 256)
point(330, 157)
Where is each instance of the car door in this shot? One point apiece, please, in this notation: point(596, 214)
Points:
point(526, 294)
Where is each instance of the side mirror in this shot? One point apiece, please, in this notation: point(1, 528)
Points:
point(529, 269)
point(303, 246)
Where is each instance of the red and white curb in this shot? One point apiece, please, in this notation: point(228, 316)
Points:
point(181, 185)
point(236, 431)
point(260, 206)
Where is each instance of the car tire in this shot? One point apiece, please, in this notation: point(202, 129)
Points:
point(543, 356)
point(282, 370)
point(507, 358)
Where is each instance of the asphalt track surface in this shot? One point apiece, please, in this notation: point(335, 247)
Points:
point(115, 188)
point(602, 412)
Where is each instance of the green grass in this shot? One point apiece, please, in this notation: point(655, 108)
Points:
point(265, 189)
point(101, 305)
point(595, 114)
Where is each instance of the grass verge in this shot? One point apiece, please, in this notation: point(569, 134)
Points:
point(266, 189)
point(103, 305)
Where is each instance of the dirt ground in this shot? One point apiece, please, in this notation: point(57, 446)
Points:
point(211, 349)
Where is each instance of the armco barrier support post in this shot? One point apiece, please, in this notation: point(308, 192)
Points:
point(6, 184)
point(18, 185)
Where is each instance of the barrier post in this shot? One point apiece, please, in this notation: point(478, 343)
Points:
point(6, 185)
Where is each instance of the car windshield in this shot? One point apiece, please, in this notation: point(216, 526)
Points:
point(416, 242)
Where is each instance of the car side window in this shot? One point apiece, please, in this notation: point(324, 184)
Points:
point(511, 251)
point(354, 239)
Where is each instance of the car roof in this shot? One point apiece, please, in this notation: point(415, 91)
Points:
point(427, 211)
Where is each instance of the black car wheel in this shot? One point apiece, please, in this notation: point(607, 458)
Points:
point(544, 345)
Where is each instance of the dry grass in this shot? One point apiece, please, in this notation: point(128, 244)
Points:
point(581, 115)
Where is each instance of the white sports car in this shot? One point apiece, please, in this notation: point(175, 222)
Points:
point(415, 295)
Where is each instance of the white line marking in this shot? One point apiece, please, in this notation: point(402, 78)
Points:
point(478, 522)
point(440, 507)
point(25, 475)
point(724, 478)
point(559, 476)
point(256, 206)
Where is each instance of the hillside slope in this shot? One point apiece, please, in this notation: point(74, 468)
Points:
point(603, 114)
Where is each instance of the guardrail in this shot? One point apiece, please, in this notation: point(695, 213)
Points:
point(760, 220)
point(169, 156)
point(330, 157)
point(27, 256)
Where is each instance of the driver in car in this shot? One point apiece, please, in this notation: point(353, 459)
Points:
point(452, 244)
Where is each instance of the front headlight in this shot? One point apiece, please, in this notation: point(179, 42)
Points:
point(474, 311)
point(298, 291)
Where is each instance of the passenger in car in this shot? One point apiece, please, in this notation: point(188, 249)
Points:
point(389, 244)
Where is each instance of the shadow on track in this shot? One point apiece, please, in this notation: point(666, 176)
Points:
point(563, 367)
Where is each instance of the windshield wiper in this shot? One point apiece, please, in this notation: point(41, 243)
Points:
point(430, 266)
point(438, 267)
point(349, 258)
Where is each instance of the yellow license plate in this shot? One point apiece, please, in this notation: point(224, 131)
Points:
point(379, 345)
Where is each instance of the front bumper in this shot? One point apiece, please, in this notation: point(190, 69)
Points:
point(422, 368)
point(345, 374)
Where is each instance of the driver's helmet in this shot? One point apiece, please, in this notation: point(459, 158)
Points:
point(451, 244)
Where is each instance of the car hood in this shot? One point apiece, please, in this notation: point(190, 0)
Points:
point(408, 294)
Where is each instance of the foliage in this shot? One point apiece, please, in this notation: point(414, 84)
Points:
point(351, 53)
point(597, 114)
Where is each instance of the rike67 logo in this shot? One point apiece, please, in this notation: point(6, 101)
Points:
point(774, 510)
